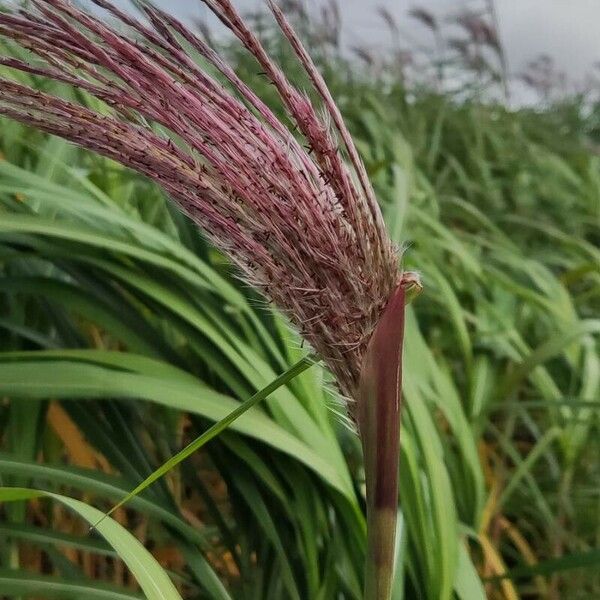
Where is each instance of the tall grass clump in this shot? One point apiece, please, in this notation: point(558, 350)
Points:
point(125, 334)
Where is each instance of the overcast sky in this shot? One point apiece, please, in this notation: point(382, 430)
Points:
point(567, 30)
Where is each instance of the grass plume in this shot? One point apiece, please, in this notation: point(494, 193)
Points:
point(301, 225)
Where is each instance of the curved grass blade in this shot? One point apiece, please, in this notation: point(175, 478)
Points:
point(153, 580)
point(301, 366)
point(17, 584)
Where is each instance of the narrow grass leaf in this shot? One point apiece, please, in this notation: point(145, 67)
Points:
point(216, 429)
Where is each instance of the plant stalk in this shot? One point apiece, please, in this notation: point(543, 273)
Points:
point(379, 422)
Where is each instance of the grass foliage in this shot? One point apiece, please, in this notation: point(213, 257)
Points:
point(124, 336)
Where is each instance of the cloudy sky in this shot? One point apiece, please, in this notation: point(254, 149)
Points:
point(567, 30)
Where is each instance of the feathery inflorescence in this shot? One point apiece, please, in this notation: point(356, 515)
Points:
point(289, 201)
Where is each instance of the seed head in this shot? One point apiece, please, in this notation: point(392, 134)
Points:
point(288, 200)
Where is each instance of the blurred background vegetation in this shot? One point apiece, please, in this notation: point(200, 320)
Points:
point(123, 335)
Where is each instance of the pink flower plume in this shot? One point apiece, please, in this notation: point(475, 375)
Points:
point(302, 225)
